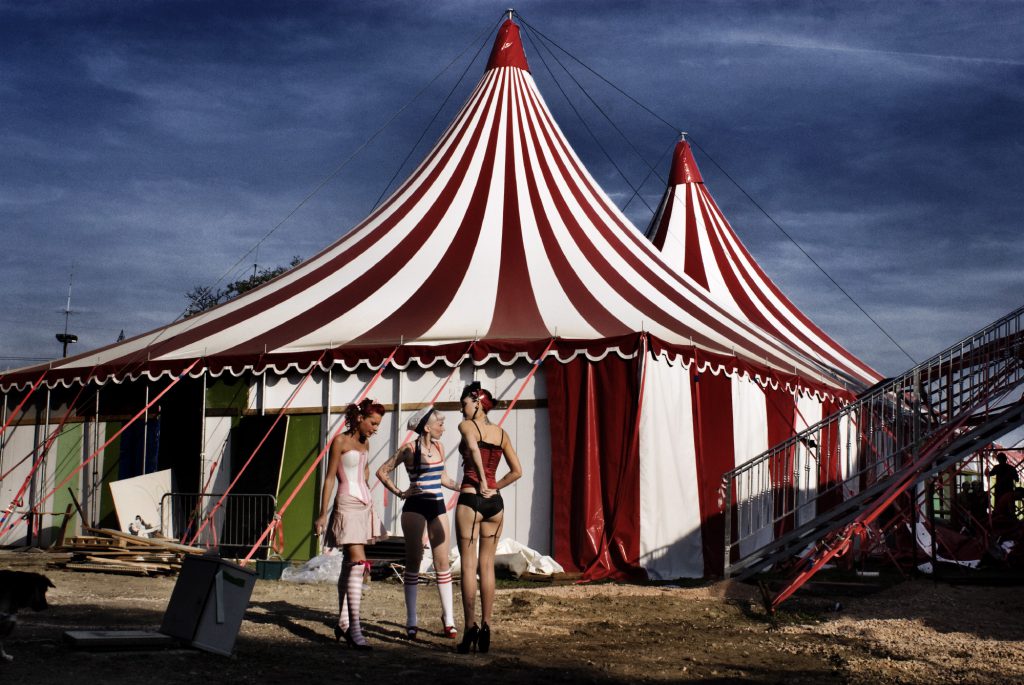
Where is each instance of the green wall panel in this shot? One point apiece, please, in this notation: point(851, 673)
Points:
point(227, 393)
point(111, 464)
point(301, 447)
point(69, 457)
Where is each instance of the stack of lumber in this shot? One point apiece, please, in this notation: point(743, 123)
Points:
point(110, 551)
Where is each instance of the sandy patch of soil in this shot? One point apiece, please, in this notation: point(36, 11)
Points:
point(916, 632)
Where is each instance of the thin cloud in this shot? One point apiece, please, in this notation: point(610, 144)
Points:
point(811, 44)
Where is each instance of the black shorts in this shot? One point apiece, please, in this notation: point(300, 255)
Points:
point(427, 507)
point(487, 507)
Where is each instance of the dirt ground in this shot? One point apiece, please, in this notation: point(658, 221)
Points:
point(915, 632)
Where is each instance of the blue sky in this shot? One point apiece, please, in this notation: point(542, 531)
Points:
point(151, 145)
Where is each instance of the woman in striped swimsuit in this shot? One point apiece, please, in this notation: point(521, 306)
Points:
point(424, 511)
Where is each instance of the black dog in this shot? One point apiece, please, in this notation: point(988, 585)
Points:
point(19, 590)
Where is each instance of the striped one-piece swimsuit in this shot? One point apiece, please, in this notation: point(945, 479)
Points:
point(426, 476)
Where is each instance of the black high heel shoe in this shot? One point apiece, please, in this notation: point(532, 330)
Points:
point(483, 640)
point(468, 640)
point(339, 633)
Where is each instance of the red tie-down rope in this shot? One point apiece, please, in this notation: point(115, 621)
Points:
point(522, 388)
point(17, 501)
point(272, 526)
point(18, 409)
point(14, 524)
point(209, 517)
point(433, 400)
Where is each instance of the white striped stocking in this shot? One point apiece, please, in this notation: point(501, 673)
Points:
point(355, 598)
point(444, 589)
point(343, 596)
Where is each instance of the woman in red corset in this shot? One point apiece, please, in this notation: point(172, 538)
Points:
point(480, 511)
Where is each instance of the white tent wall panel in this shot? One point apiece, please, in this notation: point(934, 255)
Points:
point(750, 438)
point(808, 413)
point(670, 532)
point(215, 473)
point(19, 442)
point(274, 391)
point(528, 500)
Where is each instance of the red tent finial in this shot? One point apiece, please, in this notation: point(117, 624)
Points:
point(508, 48)
point(684, 167)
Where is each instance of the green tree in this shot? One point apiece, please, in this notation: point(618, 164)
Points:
point(202, 297)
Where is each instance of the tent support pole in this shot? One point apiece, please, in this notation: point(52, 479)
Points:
point(202, 434)
point(326, 433)
point(329, 381)
point(39, 480)
point(3, 421)
point(145, 429)
point(95, 470)
point(396, 427)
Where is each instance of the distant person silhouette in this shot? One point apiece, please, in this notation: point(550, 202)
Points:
point(1005, 475)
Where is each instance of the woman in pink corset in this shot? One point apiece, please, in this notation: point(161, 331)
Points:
point(352, 521)
point(480, 511)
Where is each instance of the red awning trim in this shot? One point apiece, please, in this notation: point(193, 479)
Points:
point(504, 352)
point(718, 365)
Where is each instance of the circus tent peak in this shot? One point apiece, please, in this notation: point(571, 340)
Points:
point(693, 235)
point(684, 166)
point(508, 49)
point(499, 235)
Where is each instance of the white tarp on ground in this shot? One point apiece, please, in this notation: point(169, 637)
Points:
point(510, 555)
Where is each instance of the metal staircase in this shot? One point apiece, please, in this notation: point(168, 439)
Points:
point(810, 497)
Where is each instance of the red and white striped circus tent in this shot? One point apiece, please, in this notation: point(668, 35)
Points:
point(694, 237)
point(499, 249)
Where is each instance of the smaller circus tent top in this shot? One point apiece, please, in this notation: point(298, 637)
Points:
point(500, 235)
point(694, 237)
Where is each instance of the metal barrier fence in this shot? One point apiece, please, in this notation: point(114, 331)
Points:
point(782, 494)
point(235, 527)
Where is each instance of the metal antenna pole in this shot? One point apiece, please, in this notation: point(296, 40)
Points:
point(65, 338)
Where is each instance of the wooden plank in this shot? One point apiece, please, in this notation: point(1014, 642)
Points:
point(126, 562)
point(153, 542)
point(64, 525)
point(118, 639)
point(127, 553)
point(95, 541)
point(98, 568)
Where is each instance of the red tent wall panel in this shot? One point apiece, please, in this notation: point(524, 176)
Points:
point(712, 420)
point(829, 467)
point(595, 475)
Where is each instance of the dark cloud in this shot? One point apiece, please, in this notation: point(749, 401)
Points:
point(153, 144)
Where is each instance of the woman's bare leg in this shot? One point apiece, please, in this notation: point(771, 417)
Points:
point(490, 531)
point(467, 528)
point(413, 526)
